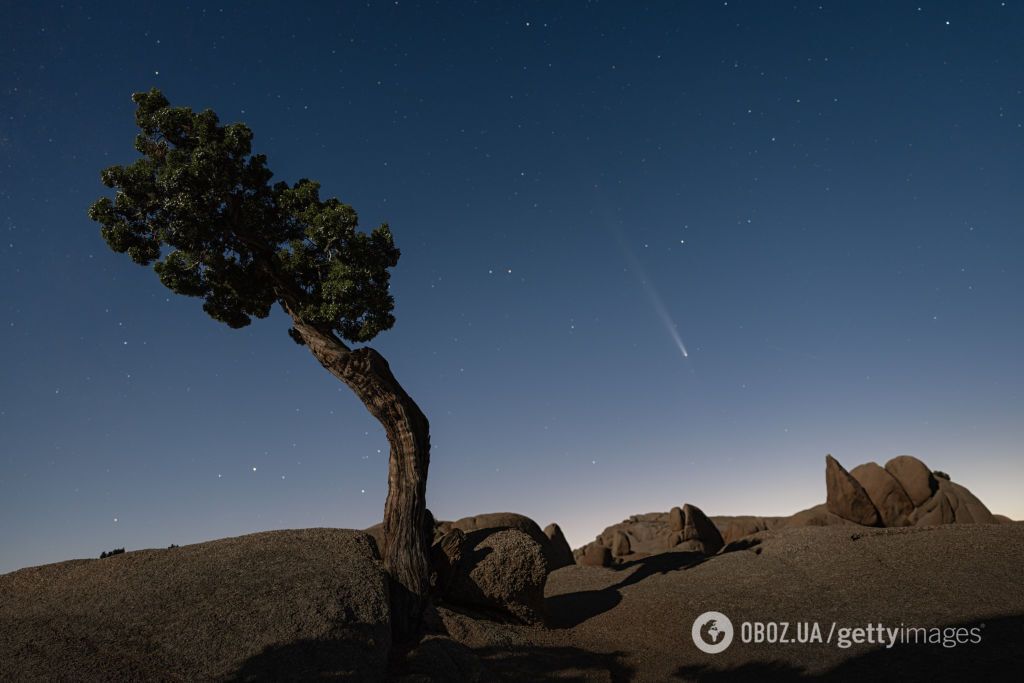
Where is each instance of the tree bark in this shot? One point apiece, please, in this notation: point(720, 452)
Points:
point(406, 544)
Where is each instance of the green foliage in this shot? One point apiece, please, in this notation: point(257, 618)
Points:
point(116, 551)
point(199, 207)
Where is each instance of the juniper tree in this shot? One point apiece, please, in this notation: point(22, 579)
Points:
point(198, 206)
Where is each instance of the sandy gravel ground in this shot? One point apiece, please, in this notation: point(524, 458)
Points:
point(311, 605)
point(634, 623)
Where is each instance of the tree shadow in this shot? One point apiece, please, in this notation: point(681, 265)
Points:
point(354, 656)
point(437, 658)
point(993, 658)
point(470, 553)
point(753, 672)
point(572, 609)
point(547, 663)
point(745, 543)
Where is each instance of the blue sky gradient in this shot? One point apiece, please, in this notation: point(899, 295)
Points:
point(825, 197)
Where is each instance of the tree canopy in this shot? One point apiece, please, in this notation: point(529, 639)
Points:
point(199, 207)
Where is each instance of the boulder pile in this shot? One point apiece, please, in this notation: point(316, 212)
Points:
point(905, 492)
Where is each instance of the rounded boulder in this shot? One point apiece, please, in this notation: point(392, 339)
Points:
point(501, 571)
point(914, 476)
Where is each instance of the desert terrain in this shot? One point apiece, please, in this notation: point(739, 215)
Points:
point(512, 602)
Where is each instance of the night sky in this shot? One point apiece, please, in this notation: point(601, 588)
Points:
point(649, 256)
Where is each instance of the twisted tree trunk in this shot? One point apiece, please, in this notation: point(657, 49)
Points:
point(406, 545)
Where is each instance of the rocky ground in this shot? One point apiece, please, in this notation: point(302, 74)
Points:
point(310, 605)
point(896, 547)
point(283, 605)
point(633, 622)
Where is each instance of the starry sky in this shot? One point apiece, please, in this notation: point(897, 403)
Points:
point(649, 256)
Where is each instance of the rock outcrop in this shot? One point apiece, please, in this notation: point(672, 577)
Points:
point(620, 545)
point(819, 515)
point(903, 493)
point(698, 533)
point(952, 504)
point(906, 493)
point(646, 533)
point(500, 520)
point(890, 499)
point(278, 605)
point(736, 527)
point(966, 506)
point(685, 529)
point(676, 519)
point(915, 478)
point(934, 510)
point(845, 497)
point(594, 555)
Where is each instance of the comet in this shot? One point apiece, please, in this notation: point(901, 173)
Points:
point(655, 298)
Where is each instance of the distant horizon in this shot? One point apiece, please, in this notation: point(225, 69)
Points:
point(571, 533)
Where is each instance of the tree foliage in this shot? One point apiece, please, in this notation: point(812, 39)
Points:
point(199, 207)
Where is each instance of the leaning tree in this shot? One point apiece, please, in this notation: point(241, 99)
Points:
point(199, 207)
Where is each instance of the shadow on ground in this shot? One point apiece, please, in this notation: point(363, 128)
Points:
point(993, 659)
point(338, 659)
point(546, 663)
point(572, 609)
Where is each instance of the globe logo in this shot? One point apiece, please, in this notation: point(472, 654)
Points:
point(712, 632)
